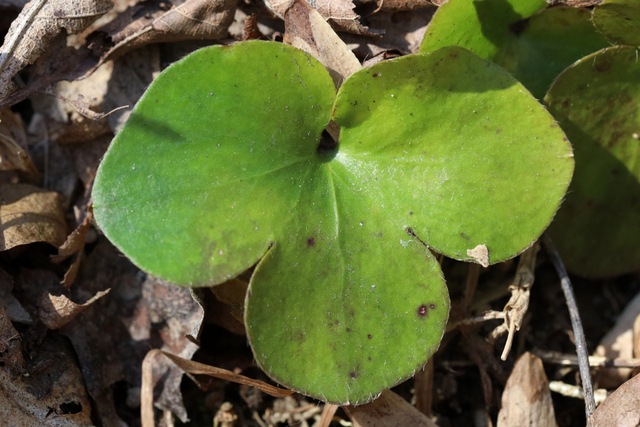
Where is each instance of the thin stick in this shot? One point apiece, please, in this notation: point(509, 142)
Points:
point(576, 324)
point(594, 361)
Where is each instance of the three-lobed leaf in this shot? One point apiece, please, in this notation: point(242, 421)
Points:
point(218, 168)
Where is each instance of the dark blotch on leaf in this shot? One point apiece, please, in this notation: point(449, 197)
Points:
point(353, 374)
point(348, 329)
point(423, 310)
point(375, 74)
point(369, 336)
point(311, 242)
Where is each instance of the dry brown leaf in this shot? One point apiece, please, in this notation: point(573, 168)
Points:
point(404, 32)
point(193, 368)
point(526, 400)
point(57, 311)
point(112, 336)
point(75, 240)
point(35, 28)
point(388, 410)
point(50, 392)
point(618, 344)
point(232, 293)
point(13, 144)
point(306, 29)
point(29, 214)
point(161, 21)
point(621, 408)
point(74, 245)
point(340, 14)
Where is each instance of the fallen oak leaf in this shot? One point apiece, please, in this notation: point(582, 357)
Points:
point(29, 214)
point(57, 311)
point(37, 25)
point(151, 22)
point(194, 368)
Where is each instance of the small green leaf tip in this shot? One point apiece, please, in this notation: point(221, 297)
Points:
point(223, 165)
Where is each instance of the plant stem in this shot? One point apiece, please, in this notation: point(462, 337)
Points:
point(576, 324)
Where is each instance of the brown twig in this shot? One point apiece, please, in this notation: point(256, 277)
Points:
point(576, 324)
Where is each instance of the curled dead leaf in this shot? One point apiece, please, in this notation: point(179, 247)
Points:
point(340, 14)
point(57, 311)
point(162, 21)
point(74, 245)
point(37, 25)
point(306, 29)
point(29, 214)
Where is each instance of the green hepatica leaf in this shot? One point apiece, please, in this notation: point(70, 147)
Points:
point(219, 167)
point(534, 43)
point(596, 102)
point(619, 20)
